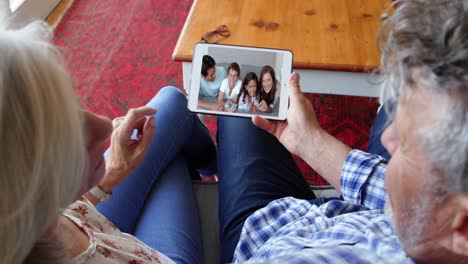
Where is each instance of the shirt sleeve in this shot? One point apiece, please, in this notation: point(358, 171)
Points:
point(203, 87)
point(224, 86)
point(237, 89)
point(255, 101)
point(362, 179)
point(243, 103)
point(342, 254)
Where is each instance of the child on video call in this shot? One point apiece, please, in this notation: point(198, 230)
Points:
point(247, 100)
point(231, 86)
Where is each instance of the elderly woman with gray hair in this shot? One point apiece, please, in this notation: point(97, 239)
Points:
point(52, 154)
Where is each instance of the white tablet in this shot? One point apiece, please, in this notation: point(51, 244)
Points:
point(240, 81)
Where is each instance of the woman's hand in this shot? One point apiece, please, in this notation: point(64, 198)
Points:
point(263, 106)
point(127, 153)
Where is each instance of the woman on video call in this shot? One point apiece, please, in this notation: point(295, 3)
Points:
point(269, 94)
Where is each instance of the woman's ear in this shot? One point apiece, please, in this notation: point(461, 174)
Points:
point(460, 228)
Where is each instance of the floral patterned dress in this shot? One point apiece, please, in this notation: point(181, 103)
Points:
point(107, 243)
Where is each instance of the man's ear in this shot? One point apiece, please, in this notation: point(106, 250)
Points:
point(460, 228)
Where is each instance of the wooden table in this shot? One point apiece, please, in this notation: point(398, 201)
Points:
point(334, 41)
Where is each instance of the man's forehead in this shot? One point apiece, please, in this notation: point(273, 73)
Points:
point(420, 106)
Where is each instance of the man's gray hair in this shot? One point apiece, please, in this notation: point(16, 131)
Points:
point(432, 36)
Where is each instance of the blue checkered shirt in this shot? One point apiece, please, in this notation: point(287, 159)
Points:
point(355, 230)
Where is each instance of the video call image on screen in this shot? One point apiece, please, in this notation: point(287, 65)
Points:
point(241, 81)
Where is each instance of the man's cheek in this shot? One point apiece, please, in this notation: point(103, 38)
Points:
point(390, 178)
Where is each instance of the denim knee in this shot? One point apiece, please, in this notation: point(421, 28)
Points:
point(172, 93)
point(170, 97)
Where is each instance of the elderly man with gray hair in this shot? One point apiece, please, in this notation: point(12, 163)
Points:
point(411, 208)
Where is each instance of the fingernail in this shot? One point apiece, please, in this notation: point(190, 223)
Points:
point(152, 122)
point(294, 77)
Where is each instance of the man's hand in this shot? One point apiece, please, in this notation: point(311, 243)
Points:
point(219, 106)
point(302, 135)
point(127, 153)
point(301, 125)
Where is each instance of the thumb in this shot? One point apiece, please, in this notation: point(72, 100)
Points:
point(264, 124)
point(117, 122)
point(294, 87)
point(148, 132)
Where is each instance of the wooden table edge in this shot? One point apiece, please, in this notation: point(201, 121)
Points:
point(307, 66)
point(179, 40)
point(313, 66)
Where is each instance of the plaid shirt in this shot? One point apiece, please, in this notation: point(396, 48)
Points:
point(355, 230)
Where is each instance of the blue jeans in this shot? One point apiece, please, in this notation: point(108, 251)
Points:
point(381, 122)
point(156, 202)
point(255, 169)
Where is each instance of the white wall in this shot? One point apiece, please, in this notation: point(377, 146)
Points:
point(247, 57)
point(256, 58)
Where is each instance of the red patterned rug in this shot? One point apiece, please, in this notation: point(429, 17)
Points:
point(119, 53)
point(348, 118)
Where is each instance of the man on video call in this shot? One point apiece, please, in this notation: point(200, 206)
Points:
point(411, 208)
point(210, 82)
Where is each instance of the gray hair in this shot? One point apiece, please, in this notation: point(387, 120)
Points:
point(432, 36)
point(42, 140)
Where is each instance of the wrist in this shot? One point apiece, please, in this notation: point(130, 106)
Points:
point(107, 183)
point(105, 186)
point(313, 145)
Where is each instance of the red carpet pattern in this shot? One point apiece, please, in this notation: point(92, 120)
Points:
point(119, 54)
point(348, 118)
